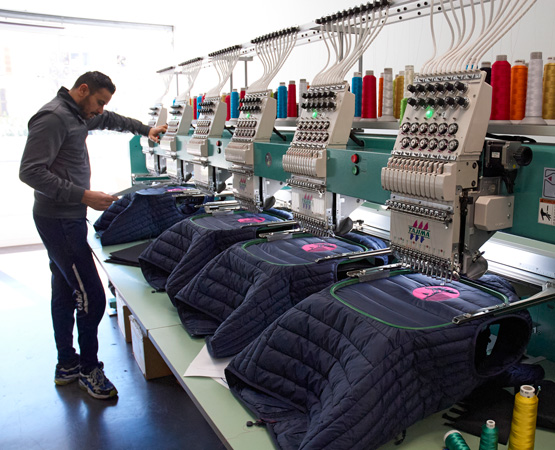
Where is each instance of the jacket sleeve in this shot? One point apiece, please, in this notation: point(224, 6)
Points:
point(109, 120)
point(46, 136)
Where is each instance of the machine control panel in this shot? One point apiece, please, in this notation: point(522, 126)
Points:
point(257, 112)
point(179, 123)
point(155, 164)
point(211, 121)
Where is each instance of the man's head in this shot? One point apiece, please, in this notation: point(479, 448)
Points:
point(92, 91)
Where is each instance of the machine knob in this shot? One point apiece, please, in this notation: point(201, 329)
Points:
point(423, 128)
point(451, 102)
point(431, 102)
point(420, 88)
point(422, 103)
point(405, 128)
point(414, 128)
point(412, 101)
point(461, 87)
point(442, 145)
point(423, 143)
point(462, 102)
point(405, 142)
point(449, 87)
point(523, 156)
point(430, 88)
point(432, 128)
point(453, 145)
point(432, 145)
point(411, 88)
point(305, 95)
point(440, 103)
point(442, 128)
point(439, 88)
point(453, 128)
point(414, 142)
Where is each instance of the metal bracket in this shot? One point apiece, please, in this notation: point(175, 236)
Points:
point(356, 255)
point(548, 294)
point(374, 273)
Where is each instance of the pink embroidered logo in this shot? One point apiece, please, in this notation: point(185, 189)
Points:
point(435, 293)
point(252, 220)
point(319, 247)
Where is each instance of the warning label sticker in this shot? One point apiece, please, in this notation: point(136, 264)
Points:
point(549, 183)
point(546, 213)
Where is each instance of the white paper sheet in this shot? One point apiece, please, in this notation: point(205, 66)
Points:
point(205, 366)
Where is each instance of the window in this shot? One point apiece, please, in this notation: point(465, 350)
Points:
point(38, 54)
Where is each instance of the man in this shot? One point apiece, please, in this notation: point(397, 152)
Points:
point(56, 164)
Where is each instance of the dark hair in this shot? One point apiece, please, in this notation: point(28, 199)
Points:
point(95, 81)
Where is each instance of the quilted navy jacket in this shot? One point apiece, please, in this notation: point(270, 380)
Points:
point(179, 253)
point(355, 364)
point(245, 288)
point(145, 214)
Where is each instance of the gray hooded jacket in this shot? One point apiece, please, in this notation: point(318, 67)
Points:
point(55, 161)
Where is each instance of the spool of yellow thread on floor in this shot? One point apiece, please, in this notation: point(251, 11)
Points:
point(523, 426)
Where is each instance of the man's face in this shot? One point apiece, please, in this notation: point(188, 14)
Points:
point(93, 104)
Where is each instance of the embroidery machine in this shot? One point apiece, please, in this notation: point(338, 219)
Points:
point(439, 191)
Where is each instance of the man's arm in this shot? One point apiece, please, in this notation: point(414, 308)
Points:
point(109, 120)
point(46, 135)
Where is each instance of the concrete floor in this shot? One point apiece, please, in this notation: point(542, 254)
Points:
point(35, 414)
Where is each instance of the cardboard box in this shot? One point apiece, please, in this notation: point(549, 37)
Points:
point(123, 317)
point(149, 360)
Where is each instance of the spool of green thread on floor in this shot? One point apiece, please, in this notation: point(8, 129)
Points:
point(490, 436)
point(454, 441)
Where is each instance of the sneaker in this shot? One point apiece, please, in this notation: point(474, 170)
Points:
point(66, 374)
point(97, 384)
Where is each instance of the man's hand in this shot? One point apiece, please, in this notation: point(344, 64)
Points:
point(98, 200)
point(154, 132)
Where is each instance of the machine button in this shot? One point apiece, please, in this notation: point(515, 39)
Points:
point(354, 158)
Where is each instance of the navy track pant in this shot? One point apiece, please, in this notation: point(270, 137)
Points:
point(77, 291)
